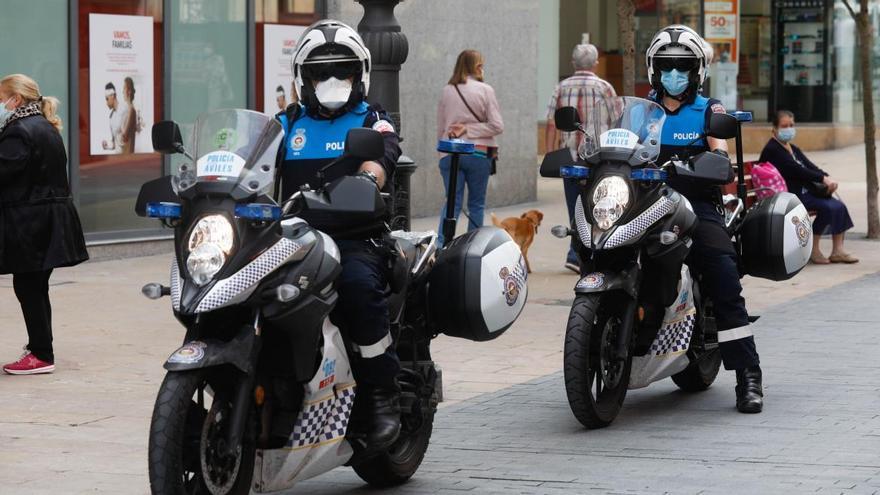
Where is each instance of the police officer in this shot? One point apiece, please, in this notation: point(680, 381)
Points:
point(331, 70)
point(677, 60)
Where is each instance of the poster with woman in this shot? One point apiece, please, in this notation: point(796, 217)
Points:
point(279, 46)
point(120, 84)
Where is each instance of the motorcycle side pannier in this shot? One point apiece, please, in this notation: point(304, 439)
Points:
point(776, 237)
point(477, 287)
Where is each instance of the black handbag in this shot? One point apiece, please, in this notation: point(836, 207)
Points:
point(818, 189)
point(491, 151)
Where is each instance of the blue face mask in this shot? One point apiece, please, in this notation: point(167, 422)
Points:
point(786, 134)
point(674, 81)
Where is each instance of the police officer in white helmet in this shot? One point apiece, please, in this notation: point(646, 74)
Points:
point(331, 69)
point(677, 60)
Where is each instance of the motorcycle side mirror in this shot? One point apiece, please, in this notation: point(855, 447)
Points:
point(567, 119)
point(364, 144)
point(167, 138)
point(560, 231)
point(722, 126)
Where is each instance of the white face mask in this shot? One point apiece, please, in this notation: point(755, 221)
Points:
point(333, 93)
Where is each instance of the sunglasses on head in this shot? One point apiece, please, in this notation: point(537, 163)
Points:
point(339, 70)
point(679, 64)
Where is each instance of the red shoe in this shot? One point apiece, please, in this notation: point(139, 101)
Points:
point(28, 364)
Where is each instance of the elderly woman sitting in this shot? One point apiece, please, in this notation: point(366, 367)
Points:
point(804, 178)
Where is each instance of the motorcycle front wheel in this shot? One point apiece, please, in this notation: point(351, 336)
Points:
point(595, 382)
point(187, 436)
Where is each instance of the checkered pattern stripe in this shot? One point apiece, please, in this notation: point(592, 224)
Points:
point(585, 231)
point(323, 421)
point(674, 337)
point(640, 224)
point(252, 273)
point(175, 285)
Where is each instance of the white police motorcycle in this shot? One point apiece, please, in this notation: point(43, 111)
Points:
point(261, 394)
point(638, 316)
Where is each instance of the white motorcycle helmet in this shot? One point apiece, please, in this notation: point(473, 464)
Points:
point(678, 47)
point(328, 53)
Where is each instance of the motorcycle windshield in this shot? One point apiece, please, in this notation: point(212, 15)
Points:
point(625, 128)
point(233, 149)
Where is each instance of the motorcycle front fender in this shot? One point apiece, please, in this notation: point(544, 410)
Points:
point(207, 353)
point(607, 281)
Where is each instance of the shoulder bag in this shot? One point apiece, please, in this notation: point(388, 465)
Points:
point(492, 151)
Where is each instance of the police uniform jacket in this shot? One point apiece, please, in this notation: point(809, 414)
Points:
point(40, 227)
point(688, 123)
point(312, 141)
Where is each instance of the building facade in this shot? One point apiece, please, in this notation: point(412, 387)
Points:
point(174, 59)
point(795, 54)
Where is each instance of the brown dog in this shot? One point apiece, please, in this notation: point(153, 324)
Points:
point(522, 229)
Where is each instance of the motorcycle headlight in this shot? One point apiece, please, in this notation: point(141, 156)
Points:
point(210, 242)
point(610, 200)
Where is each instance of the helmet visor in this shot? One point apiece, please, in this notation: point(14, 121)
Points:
point(324, 71)
point(682, 64)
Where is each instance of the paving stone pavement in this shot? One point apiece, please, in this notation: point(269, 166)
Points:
point(820, 432)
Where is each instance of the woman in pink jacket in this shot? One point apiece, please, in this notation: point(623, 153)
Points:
point(468, 110)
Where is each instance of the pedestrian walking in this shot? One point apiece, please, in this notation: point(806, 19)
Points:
point(40, 227)
point(581, 91)
point(469, 110)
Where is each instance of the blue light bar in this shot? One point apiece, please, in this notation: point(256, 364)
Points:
point(574, 172)
point(648, 174)
point(258, 211)
point(742, 116)
point(458, 146)
point(163, 210)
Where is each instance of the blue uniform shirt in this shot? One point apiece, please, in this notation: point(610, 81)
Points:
point(687, 123)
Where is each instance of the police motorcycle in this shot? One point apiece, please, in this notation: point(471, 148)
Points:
point(638, 316)
point(261, 394)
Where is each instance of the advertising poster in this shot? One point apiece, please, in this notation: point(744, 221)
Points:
point(279, 44)
point(721, 28)
point(121, 84)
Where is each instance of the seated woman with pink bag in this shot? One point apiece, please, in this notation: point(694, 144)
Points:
point(814, 188)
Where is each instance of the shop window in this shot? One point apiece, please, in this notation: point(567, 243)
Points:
point(120, 97)
point(279, 25)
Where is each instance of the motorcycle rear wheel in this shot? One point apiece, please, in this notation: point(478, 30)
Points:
point(595, 384)
point(401, 461)
point(184, 433)
point(700, 373)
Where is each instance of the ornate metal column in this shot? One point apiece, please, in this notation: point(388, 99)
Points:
point(389, 49)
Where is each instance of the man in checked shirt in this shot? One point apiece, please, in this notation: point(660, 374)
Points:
point(580, 91)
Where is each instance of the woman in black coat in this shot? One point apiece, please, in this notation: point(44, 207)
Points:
point(800, 174)
point(39, 226)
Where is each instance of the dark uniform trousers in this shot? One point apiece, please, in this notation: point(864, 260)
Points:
point(363, 311)
point(713, 258)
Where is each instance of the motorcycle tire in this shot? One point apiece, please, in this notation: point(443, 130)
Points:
point(583, 363)
point(173, 469)
point(700, 373)
point(401, 461)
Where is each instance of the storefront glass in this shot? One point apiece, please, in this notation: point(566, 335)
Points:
point(755, 57)
point(120, 96)
point(848, 93)
point(208, 60)
point(279, 23)
point(50, 68)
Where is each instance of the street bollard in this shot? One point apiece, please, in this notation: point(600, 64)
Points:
point(456, 148)
point(401, 205)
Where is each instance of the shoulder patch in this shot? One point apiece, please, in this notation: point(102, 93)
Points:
point(718, 108)
point(383, 126)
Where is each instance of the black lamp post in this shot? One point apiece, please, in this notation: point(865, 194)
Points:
point(389, 48)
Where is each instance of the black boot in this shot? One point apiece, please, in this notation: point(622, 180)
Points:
point(384, 417)
point(749, 392)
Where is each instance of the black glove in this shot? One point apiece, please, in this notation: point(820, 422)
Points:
point(722, 153)
point(370, 176)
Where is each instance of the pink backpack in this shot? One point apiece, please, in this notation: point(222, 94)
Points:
point(767, 180)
